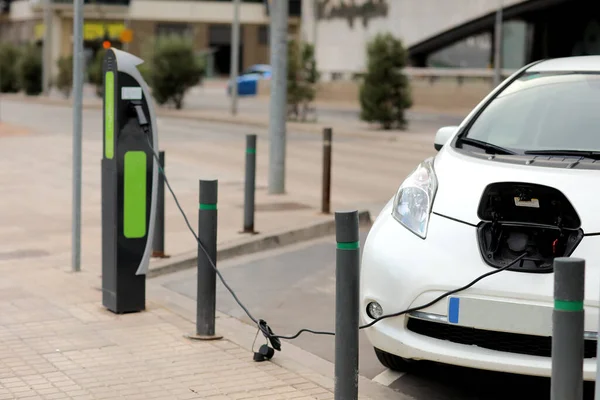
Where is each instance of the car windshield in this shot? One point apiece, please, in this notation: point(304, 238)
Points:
point(544, 111)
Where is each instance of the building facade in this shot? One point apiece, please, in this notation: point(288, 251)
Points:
point(450, 33)
point(207, 23)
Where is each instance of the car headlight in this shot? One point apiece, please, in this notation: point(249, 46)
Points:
point(414, 199)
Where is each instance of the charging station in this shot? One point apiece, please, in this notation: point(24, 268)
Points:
point(129, 183)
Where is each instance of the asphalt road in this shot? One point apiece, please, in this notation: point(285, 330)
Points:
point(57, 120)
point(215, 98)
point(294, 288)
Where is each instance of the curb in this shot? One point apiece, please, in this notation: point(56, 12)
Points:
point(198, 115)
point(12, 130)
point(254, 245)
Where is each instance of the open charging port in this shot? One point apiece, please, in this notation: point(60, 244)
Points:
point(524, 217)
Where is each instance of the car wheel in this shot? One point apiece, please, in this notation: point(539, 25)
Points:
point(391, 361)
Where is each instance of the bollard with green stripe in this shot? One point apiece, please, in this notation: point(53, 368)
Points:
point(129, 183)
point(347, 275)
point(206, 297)
point(568, 329)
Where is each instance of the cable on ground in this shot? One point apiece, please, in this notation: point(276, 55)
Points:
point(262, 325)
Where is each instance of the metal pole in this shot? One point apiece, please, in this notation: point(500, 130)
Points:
point(127, 24)
point(158, 241)
point(250, 184)
point(278, 106)
point(235, 55)
point(47, 47)
point(315, 24)
point(326, 195)
point(498, 36)
point(207, 277)
point(78, 59)
point(346, 305)
point(567, 329)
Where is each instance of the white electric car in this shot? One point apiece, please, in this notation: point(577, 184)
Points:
point(520, 177)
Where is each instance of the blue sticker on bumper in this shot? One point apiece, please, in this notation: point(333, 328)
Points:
point(453, 310)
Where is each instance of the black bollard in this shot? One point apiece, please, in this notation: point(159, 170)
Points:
point(158, 241)
point(568, 329)
point(346, 305)
point(326, 189)
point(207, 276)
point(250, 184)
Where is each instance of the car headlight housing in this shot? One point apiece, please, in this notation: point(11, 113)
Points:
point(414, 199)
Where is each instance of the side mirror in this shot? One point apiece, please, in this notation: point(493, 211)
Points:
point(443, 135)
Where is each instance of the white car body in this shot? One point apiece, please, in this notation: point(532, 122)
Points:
point(509, 310)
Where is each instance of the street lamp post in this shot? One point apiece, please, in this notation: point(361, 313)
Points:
point(46, 46)
point(78, 60)
point(498, 44)
point(235, 56)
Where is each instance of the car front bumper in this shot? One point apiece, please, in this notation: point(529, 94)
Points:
point(505, 321)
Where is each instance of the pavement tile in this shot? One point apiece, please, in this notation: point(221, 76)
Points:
point(56, 396)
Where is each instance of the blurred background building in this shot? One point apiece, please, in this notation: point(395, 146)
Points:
point(208, 23)
point(437, 33)
point(450, 33)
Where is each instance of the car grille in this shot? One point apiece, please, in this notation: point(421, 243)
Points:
point(499, 341)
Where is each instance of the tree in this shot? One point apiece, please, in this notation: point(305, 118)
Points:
point(385, 90)
point(9, 77)
point(30, 69)
point(302, 77)
point(64, 80)
point(172, 69)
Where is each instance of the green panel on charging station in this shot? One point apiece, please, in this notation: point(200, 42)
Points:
point(134, 195)
point(109, 114)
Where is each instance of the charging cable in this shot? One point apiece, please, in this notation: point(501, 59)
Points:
point(265, 352)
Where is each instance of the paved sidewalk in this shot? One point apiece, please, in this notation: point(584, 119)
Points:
point(57, 342)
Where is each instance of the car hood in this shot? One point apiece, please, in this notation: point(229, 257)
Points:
point(463, 178)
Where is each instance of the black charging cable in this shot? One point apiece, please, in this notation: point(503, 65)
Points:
point(265, 352)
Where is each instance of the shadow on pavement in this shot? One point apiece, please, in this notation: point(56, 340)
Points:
point(428, 380)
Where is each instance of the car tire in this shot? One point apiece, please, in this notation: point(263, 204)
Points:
point(391, 361)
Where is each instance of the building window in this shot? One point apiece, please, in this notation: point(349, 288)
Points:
point(263, 35)
point(163, 29)
point(5, 6)
point(472, 52)
point(220, 34)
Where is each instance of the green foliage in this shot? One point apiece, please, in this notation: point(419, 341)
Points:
point(148, 47)
point(302, 77)
point(9, 77)
point(144, 69)
point(171, 68)
point(30, 70)
point(64, 80)
point(385, 90)
point(95, 76)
